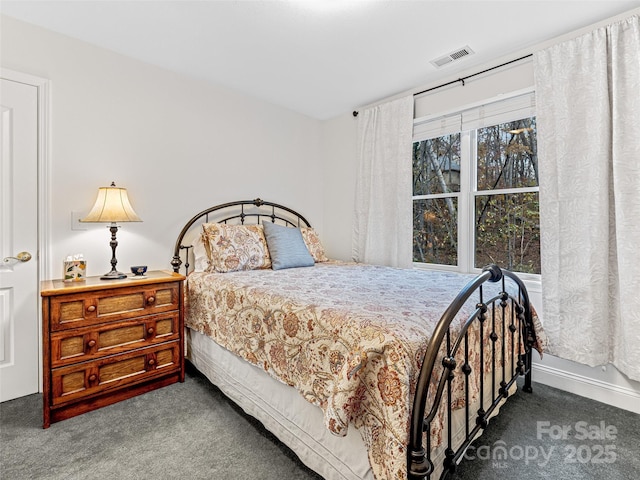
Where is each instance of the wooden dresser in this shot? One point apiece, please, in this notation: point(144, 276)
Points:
point(108, 340)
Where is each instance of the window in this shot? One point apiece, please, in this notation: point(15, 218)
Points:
point(475, 188)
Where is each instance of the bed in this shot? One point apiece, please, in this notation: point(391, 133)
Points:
point(364, 371)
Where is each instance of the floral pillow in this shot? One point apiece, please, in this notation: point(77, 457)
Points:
point(235, 247)
point(312, 241)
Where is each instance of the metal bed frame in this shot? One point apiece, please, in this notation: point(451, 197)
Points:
point(236, 212)
point(518, 325)
point(438, 370)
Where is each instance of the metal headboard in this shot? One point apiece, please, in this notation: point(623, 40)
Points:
point(250, 211)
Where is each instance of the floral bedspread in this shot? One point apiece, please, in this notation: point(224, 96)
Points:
point(349, 337)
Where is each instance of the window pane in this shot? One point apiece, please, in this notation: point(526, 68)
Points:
point(508, 231)
point(435, 231)
point(507, 155)
point(436, 165)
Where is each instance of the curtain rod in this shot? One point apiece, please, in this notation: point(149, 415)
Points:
point(461, 80)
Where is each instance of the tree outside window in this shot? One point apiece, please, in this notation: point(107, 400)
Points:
point(491, 210)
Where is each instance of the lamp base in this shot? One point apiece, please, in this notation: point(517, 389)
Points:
point(113, 275)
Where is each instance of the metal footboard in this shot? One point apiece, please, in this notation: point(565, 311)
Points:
point(510, 337)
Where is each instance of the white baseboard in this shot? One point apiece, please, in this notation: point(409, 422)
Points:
point(616, 395)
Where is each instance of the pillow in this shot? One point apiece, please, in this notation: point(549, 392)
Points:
point(286, 247)
point(200, 256)
point(312, 241)
point(235, 247)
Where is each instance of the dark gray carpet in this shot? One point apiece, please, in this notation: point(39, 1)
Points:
point(184, 431)
point(553, 434)
point(191, 431)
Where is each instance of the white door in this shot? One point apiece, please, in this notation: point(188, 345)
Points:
point(19, 302)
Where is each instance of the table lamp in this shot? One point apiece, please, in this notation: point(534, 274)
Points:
point(112, 206)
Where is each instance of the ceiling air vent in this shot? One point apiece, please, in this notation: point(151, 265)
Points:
point(453, 56)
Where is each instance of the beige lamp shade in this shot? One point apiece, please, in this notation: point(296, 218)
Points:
point(112, 205)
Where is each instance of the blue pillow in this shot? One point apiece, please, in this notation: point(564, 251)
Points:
point(286, 247)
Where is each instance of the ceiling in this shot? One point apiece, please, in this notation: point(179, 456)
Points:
point(321, 58)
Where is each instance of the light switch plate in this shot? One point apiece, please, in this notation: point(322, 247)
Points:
point(75, 221)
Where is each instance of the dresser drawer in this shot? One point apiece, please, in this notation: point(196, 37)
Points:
point(84, 309)
point(81, 380)
point(88, 343)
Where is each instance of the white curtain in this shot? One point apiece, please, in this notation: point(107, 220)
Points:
point(588, 114)
point(383, 206)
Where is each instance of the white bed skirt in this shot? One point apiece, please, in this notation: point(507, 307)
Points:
point(296, 422)
point(282, 410)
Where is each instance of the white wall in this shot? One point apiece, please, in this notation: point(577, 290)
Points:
point(338, 147)
point(177, 144)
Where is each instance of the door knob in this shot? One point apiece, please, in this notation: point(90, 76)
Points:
point(22, 257)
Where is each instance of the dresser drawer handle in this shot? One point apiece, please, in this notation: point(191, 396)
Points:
point(150, 330)
point(151, 300)
point(91, 343)
point(152, 362)
point(93, 377)
point(91, 308)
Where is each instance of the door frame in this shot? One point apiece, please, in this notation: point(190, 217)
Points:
point(43, 256)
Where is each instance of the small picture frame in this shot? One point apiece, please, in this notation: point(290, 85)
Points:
point(74, 270)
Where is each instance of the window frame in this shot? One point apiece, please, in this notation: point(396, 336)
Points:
point(433, 126)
